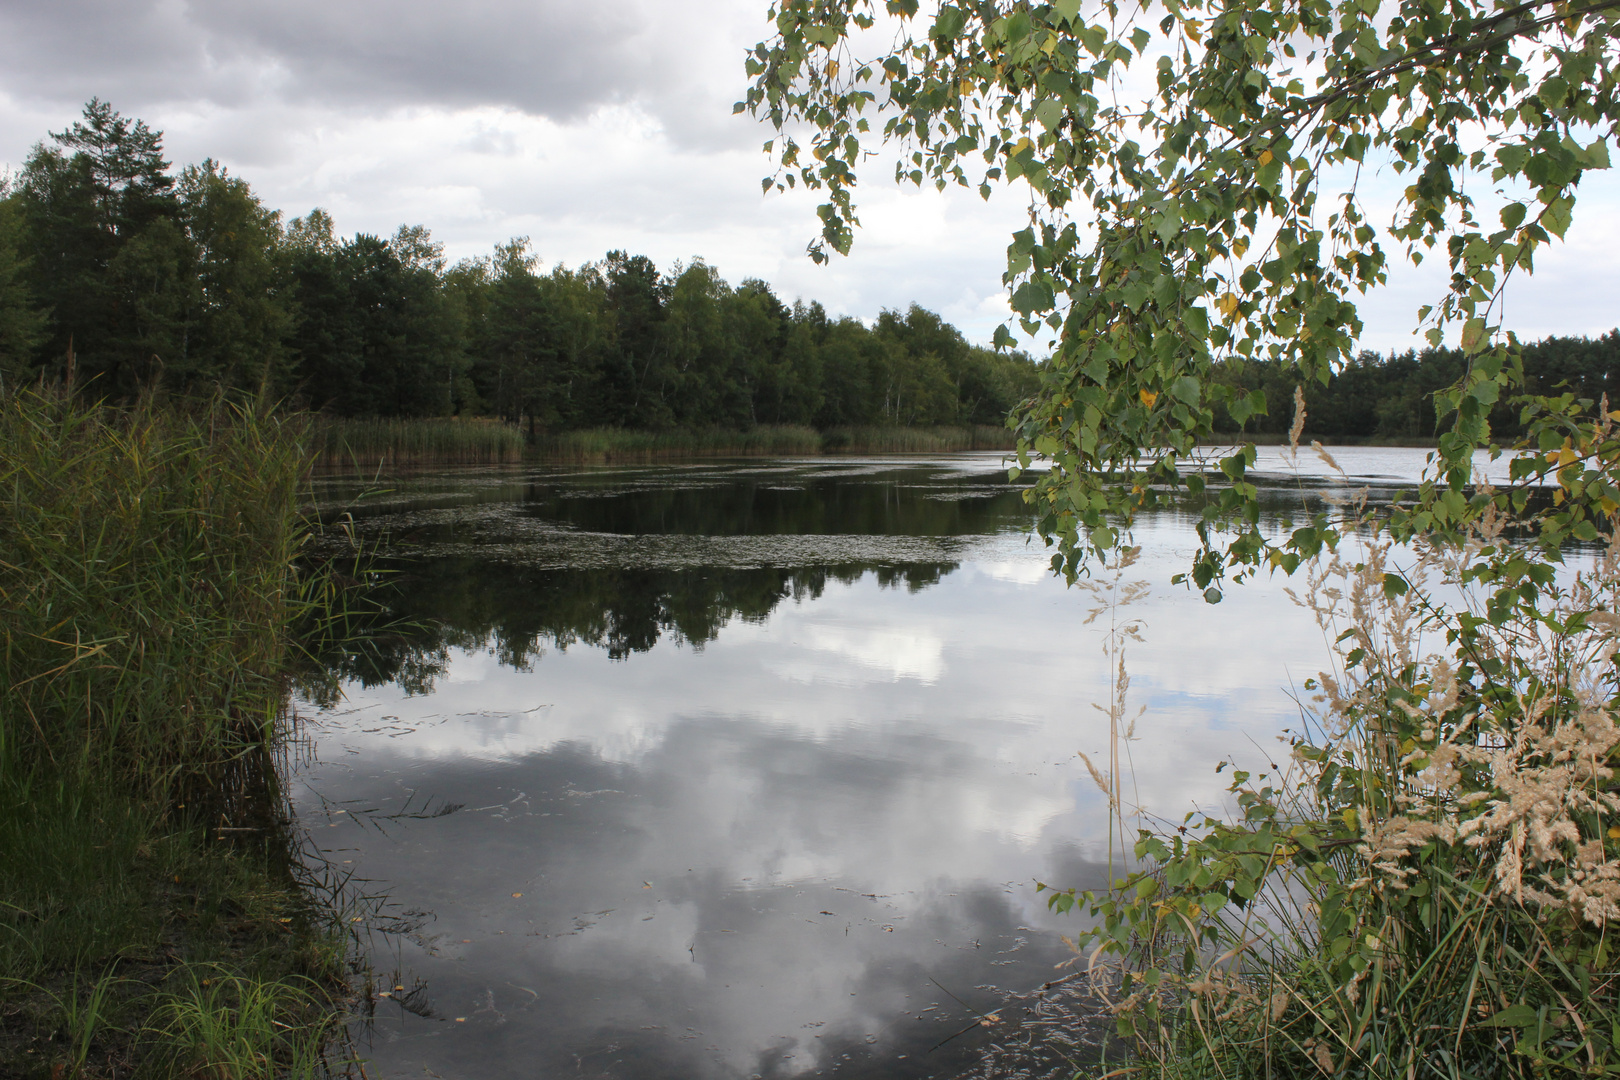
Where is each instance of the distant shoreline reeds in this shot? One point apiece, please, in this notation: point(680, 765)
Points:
point(766, 440)
point(368, 443)
point(392, 443)
point(916, 440)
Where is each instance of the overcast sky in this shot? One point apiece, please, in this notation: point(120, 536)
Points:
point(583, 126)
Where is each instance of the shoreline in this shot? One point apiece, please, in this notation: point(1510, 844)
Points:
point(439, 443)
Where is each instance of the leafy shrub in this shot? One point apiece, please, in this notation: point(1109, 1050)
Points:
point(1429, 887)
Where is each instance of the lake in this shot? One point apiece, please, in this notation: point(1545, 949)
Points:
point(750, 768)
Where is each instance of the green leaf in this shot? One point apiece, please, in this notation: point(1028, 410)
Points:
point(949, 22)
point(1050, 113)
point(1517, 1016)
point(1555, 219)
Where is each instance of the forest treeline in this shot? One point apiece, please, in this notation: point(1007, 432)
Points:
point(1391, 397)
point(185, 279)
point(188, 280)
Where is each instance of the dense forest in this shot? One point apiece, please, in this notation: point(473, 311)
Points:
point(1391, 398)
point(188, 280)
point(147, 276)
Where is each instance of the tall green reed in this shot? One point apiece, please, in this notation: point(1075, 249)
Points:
point(146, 585)
point(154, 910)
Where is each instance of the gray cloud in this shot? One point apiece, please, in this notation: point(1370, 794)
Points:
point(586, 127)
point(553, 59)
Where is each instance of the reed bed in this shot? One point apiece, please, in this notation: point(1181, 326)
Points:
point(369, 443)
point(916, 440)
point(624, 444)
point(148, 604)
point(146, 577)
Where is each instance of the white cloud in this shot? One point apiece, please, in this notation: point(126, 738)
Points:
point(584, 127)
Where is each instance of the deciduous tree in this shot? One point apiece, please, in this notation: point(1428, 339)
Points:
point(1196, 172)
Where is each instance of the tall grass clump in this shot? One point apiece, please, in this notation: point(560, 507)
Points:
point(220, 1023)
point(1426, 883)
point(406, 442)
point(146, 561)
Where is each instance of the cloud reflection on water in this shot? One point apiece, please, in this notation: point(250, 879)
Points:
point(901, 758)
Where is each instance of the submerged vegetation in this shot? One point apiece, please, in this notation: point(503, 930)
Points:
point(153, 908)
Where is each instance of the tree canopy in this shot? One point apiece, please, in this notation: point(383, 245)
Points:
point(186, 280)
point(1196, 172)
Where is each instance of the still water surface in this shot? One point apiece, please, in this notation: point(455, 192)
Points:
point(750, 769)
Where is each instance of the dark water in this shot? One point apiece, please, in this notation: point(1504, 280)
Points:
point(750, 769)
